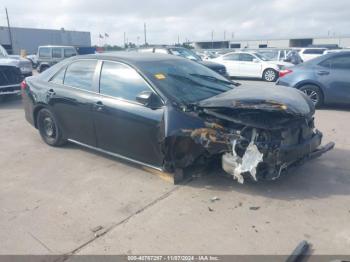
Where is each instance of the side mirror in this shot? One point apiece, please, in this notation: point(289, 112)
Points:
point(255, 60)
point(149, 99)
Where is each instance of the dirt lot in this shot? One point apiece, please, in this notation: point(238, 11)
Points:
point(59, 200)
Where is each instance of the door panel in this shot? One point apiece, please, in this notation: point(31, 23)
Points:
point(248, 67)
point(73, 104)
point(124, 126)
point(232, 64)
point(73, 109)
point(129, 129)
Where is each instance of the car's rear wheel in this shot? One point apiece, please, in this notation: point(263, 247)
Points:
point(314, 93)
point(49, 129)
point(270, 75)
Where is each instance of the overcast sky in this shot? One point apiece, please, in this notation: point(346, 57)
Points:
point(190, 19)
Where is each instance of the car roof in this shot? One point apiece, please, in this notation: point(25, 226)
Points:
point(64, 46)
point(133, 58)
point(162, 46)
point(241, 52)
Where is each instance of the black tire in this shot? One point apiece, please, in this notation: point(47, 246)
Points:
point(270, 75)
point(49, 129)
point(314, 93)
point(42, 68)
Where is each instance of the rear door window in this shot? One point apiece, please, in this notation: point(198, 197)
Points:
point(231, 57)
point(56, 52)
point(121, 81)
point(338, 62)
point(45, 52)
point(69, 52)
point(341, 62)
point(246, 57)
point(58, 77)
point(80, 74)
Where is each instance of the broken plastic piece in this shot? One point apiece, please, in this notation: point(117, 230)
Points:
point(252, 157)
point(215, 198)
point(236, 166)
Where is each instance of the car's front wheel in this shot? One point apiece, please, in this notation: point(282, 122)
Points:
point(270, 75)
point(49, 129)
point(314, 93)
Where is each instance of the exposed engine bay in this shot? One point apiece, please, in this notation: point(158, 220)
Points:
point(259, 142)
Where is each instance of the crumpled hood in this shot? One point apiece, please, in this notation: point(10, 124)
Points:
point(281, 99)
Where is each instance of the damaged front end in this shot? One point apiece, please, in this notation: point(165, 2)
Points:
point(255, 138)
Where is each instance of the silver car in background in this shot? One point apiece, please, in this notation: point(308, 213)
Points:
point(47, 56)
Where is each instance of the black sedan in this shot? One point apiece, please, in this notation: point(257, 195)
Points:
point(171, 113)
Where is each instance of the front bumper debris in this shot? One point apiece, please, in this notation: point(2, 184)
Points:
point(287, 157)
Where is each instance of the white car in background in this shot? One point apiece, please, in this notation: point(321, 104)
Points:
point(309, 53)
point(252, 65)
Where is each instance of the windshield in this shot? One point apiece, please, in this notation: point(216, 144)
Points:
point(186, 53)
point(185, 81)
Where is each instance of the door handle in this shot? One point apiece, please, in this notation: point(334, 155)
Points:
point(99, 106)
point(322, 73)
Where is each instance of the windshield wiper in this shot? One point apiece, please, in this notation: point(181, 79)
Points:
point(214, 79)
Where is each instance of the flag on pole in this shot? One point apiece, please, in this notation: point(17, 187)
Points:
point(101, 36)
point(106, 35)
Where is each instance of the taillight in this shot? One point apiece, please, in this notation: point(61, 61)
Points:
point(24, 85)
point(284, 72)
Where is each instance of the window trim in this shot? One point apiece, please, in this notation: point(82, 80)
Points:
point(62, 55)
point(65, 70)
point(227, 55)
point(68, 48)
point(45, 57)
point(93, 83)
point(100, 66)
point(242, 54)
point(329, 60)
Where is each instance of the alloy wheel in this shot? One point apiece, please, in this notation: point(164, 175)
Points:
point(312, 94)
point(49, 127)
point(270, 75)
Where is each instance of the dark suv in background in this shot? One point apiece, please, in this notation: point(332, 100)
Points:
point(325, 79)
point(186, 53)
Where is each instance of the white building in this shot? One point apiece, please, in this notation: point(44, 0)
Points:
point(278, 43)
